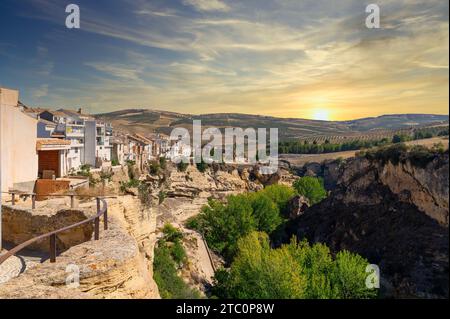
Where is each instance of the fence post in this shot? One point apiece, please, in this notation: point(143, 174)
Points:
point(53, 248)
point(105, 219)
point(72, 201)
point(13, 198)
point(96, 228)
point(97, 221)
point(33, 201)
point(98, 204)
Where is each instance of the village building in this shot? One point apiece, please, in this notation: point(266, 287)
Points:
point(18, 136)
point(118, 150)
point(52, 157)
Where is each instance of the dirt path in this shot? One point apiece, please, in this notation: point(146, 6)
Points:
point(176, 212)
point(199, 255)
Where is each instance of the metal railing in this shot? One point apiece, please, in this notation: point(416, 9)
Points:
point(102, 209)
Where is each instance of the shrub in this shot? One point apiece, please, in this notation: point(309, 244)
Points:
point(312, 188)
point(130, 169)
point(169, 256)
point(171, 233)
point(161, 197)
point(106, 175)
point(182, 167)
point(144, 194)
point(202, 166)
point(153, 168)
point(420, 156)
point(124, 186)
point(115, 162)
point(178, 253)
point(162, 162)
point(170, 286)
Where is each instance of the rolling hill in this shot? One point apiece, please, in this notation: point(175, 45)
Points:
point(146, 121)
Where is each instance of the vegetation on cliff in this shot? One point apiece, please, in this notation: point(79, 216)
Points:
point(240, 230)
point(170, 256)
point(312, 188)
point(296, 270)
point(417, 155)
point(223, 224)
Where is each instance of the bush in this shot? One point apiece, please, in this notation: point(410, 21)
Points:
point(115, 162)
point(394, 153)
point(170, 286)
point(161, 197)
point(170, 255)
point(312, 188)
point(153, 168)
point(420, 156)
point(106, 175)
point(178, 253)
point(202, 166)
point(163, 162)
point(182, 167)
point(171, 233)
point(144, 194)
point(130, 169)
point(124, 186)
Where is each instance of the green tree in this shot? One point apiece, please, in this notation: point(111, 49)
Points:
point(297, 270)
point(261, 272)
point(225, 224)
point(280, 195)
point(312, 188)
point(265, 211)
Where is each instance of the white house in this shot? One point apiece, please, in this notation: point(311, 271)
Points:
point(18, 135)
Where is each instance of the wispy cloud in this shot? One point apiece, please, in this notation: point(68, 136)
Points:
point(283, 58)
point(208, 5)
point(41, 91)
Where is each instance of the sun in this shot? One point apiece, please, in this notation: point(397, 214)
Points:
point(321, 114)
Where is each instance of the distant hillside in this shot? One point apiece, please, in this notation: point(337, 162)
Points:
point(145, 121)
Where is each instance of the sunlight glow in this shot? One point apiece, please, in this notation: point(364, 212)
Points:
point(321, 114)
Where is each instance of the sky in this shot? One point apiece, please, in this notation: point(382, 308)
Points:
point(288, 58)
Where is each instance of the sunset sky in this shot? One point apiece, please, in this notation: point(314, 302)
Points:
point(289, 58)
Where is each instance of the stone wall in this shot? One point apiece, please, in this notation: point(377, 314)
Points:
point(20, 225)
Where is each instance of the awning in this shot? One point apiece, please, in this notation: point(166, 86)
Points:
point(52, 144)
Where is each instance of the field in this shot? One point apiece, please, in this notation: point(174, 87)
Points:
point(302, 159)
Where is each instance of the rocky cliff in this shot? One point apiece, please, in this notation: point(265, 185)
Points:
point(395, 213)
point(118, 265)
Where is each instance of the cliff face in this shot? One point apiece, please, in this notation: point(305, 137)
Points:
point(118, 265)
point(396, 215)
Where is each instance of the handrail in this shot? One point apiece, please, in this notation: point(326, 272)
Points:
point(52, 235)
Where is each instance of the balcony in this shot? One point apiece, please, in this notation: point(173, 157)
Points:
point(74, 131)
